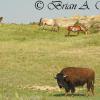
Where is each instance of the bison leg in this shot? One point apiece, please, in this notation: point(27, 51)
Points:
point(88, 88)
point(66, 91)
point(92, 88)
point(73, 90)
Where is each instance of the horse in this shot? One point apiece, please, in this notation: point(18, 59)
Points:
point(49, 22)
point(76, 28)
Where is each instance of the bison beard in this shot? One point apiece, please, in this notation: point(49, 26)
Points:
point(71, 77)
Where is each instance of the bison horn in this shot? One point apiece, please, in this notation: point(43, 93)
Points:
point(65, 76)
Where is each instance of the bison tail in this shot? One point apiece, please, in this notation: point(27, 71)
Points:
point(93, 79)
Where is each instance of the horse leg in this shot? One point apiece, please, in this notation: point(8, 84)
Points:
point(67, 34)
point(86, 32)
point(43, 27)
point(77, 32)
point(58, 28)
point(52, 28)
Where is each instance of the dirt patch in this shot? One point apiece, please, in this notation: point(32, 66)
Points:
point(48, 88)
point(42, 88)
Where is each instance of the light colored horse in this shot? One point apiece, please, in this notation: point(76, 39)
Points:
point(49, 22)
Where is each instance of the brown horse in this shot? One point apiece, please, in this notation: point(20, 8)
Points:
point(76, 28)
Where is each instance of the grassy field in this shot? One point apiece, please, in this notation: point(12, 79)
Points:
point(30, 56)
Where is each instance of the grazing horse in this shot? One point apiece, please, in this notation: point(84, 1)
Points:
point(49, 22)
point(76, 28)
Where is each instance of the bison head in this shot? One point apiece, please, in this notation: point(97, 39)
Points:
point(61, 81)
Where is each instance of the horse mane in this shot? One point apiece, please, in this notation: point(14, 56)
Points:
point(81, 25)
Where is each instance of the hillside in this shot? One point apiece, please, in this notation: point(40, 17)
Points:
point(31, 57)
point(86, 20)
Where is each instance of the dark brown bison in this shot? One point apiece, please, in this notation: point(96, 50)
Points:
point(71, 77)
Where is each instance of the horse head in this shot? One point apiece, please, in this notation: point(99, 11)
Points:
point(40, 22)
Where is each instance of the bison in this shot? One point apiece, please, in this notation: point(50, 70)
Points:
point(72, 77)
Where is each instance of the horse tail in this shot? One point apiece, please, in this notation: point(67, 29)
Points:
point(40, 22)
point(83, 27)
